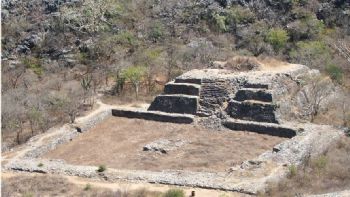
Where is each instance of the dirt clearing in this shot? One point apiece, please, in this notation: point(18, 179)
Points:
point(118, 143)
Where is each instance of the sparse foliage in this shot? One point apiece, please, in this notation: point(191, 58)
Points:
point(135, 74)
point(315, 93)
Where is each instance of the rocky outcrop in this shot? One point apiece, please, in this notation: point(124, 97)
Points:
point(164, 145)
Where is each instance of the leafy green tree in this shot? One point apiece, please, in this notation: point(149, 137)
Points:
point(277, 38)
point(220, 22)
point(135, 75)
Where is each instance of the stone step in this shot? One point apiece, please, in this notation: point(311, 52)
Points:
point(153, 115)
point(256, 85)
point(253, 94)
point(252, 110)
point(182, 88)
point(188, 80)
point(262, 128)
point(175, 103)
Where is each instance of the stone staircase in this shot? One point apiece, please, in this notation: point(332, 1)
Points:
point(180, 96)
point(252, 109)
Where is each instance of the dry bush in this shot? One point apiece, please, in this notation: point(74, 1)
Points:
point(327, 173)
point(240, 63)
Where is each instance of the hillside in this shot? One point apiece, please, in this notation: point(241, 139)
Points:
point(58, 54)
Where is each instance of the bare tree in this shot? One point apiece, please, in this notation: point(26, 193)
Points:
point(345, 109)
point(316, 91)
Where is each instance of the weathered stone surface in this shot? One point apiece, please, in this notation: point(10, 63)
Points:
point(263, 128)
point(189, 80)
point(252, 110)
point(178, 103)
point(253, 94)
point(182, 88)
point(214, 93)
point(164, 145)
point(153, 115)
point(256, 85)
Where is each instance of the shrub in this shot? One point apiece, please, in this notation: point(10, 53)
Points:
point(101, 168)
point(126, 38)
point(277, 38)
point(306, 28)
point(40, 165)
point(87, 187)
point(320, 163)
point(335, 72)
point(157, 32)
point(312, 53)
point(175, 193)
point(292, 171)
point(35, 65)
point(220, 22)
point(240, 15)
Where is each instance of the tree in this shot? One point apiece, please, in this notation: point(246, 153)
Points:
point(13, 112)
point(315, 92)
point(135, 74)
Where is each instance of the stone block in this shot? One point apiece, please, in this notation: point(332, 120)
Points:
point(153, 115)
point(253, 94)
point(254, 111)
point(182, 104)
point(262, 128)
point(182, 88)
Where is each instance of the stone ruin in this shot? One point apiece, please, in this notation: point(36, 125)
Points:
point(256, 100)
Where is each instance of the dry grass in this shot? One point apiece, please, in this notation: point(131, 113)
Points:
point(243, 63)
point(118, 143)
point(328, 173)
point(48, 185)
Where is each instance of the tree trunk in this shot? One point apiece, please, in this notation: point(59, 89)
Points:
point(137, 90)
point(31, 127)
point(18, 137)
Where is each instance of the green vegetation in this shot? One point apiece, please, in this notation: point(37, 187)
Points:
point(87, 187)
point(40, 165)
point(134, 74)
point(315, 54)
point(174, 193)
point(240, 15)
point(126, 38)
point(292, 170)
point(277, 38)
point(220, 22)
point(101, 168)
point(335, 72)
point(34, 65)
point(157, 31)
